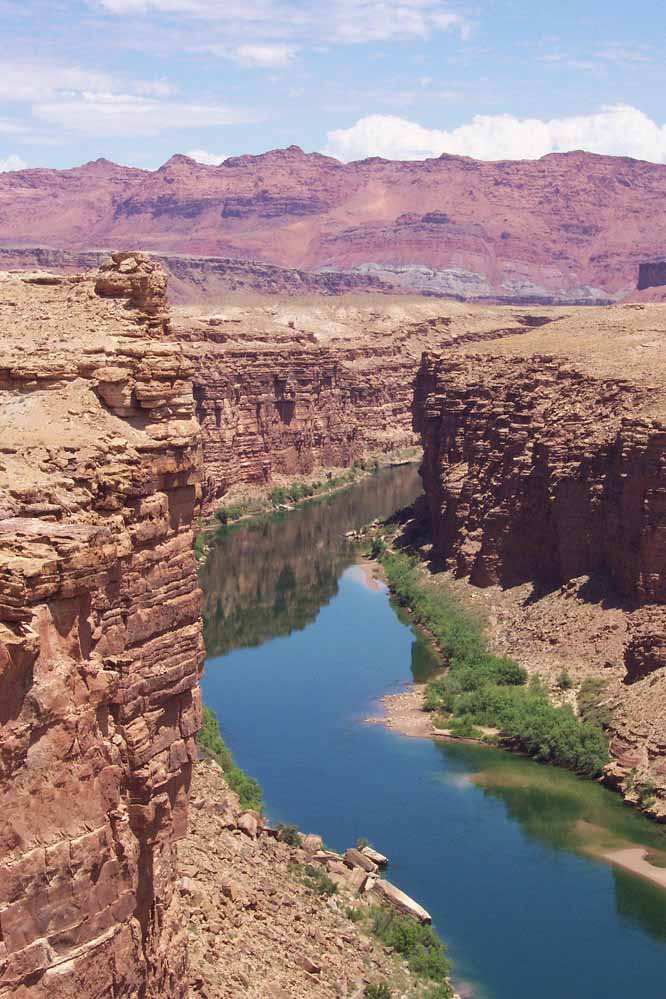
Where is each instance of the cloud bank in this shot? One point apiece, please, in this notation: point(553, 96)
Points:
point(619, 130)
point(203, 156)
point(12, 162)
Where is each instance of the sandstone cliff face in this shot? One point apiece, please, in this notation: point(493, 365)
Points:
point(100, 636)
point(282, 390)
point(547, 467)
point(569, 227)
point(205, 279)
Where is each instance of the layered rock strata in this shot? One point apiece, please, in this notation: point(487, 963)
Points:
point(283, 391)
point(570, 227)
point(549, 466)
point(100, 635)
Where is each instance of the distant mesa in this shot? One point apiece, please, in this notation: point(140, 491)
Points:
point(561, 229)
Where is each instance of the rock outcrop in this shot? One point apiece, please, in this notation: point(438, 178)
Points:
point(100, 636)
point(651, 275)
point(570, 227)
point(546, 462)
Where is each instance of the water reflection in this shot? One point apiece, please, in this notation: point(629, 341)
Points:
point(271, 578)
point(563, 812)
point(499, 849)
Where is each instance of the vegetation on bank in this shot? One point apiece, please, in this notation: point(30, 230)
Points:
point(419, 945)
point(212, 744)
point(295, 492)
point(481, 688)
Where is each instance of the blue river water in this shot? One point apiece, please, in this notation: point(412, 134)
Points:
point(502, 861)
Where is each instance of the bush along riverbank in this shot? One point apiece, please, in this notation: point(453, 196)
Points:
point(212, 745)
point(482, 689)
point(280, 500)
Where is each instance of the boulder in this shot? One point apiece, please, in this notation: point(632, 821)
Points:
point(375, 856)
point(312, 843)
point(356, 880)
point(248, 824)
point(354, 858)
point(398, 900)
point(304, 962)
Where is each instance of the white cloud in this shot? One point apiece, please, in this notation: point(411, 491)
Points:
point(127, 114)
point(346, 21)
point(33, 81)
point(208, 159)
point(384, 20)
point(24, 81)
point(270, 56)
point(12, 162)
point(620, 130)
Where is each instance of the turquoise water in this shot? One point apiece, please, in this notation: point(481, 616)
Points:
point(502, 864)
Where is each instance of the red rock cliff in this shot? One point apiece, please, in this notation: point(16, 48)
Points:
point(100, 636)
point(550, 466)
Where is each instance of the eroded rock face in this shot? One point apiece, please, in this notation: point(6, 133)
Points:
point(100, 640)
point(561, 228)
point(549, 467)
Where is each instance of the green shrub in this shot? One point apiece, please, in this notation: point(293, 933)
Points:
point(417, 943)
point(278, 496)
point(380, 991)
point(438, 992)
point(288, 834)
point(377, 548)
point(463, 728)
point(354, 914)
point(211, 742)
point(491, 690)
point(589, 700)
point(646, 791)
point(564, 681)
point(319, 881)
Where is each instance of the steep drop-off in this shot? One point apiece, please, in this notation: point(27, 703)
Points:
point(569, 227)
point(544, 462)
point(100, 636)
point(287, 388)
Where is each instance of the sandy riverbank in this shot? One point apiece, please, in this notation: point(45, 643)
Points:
point(403, 713)
point(634, 860)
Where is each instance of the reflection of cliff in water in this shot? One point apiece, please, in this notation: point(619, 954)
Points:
point(270, 578)
point(640, 902)
point(564, 812)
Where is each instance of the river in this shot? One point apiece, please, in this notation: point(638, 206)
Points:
point(499, 849)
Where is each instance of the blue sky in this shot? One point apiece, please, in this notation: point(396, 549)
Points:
point(138, 80)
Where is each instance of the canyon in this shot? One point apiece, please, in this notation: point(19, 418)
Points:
point(570, 227)
point(124, 420)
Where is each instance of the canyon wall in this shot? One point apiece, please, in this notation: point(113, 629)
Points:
point(569, 227)
point(291, 387)
point(285, 405)
point(206, 279)
point(100, 636)
point(652, 275)
point(547, 467)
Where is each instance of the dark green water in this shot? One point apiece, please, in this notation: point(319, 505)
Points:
point(499, 849)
